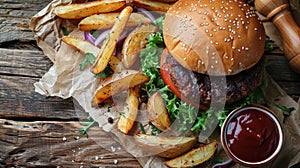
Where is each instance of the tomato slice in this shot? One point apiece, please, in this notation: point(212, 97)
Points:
point(165, 75)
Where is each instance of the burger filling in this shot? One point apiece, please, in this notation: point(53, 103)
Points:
point(198, 87)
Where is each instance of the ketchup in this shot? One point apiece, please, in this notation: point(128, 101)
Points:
point(251, 135)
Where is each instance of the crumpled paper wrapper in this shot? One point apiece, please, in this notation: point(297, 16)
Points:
point(65, 80)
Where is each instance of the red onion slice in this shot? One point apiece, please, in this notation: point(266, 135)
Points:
point(223, 164)
point(146, 13)
point(88, 37)
point(104, 34)
point(101, 37)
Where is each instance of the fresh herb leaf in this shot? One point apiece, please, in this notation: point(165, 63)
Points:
point(83, 131)
point(64, 30)
point(159, 22)
point(268, 46)
point(107, 71)
point(89, 58)
point(154, 130)
point(286, 111)
point(155, 40)
point(142, 128)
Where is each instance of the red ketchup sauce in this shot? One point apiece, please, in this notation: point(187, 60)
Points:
point(251, 135)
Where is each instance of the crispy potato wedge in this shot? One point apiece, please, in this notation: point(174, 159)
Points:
point(127, 119)
point(107, 20)
point(86, 47)
point(81, 10)
point(194, 157)
point(135, 42)
point(157, 112)
point(110, 43)
point(116, 83)
point(168, 147)
point(152, 5)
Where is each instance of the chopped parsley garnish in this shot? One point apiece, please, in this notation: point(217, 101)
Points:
point(89, 58)
point(83, 131)
point(64, 30)
point(286, 111)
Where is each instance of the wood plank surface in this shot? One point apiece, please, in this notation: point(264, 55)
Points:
point(58, 144)
point(39, 131)
point(15, 16)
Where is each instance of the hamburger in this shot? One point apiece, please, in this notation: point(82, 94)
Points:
point(207, 39)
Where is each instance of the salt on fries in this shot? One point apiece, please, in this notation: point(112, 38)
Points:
point(77, 11)
point(127, 118)
point(86, 47)
point(107, 20)
point(110, 43)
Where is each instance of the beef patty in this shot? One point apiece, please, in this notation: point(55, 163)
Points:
point(199, 89)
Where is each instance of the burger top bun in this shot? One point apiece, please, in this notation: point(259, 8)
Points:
point(215, 37)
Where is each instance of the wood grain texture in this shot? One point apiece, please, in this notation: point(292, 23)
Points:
point(53, 144)
point(33, 127)
point(15, 16)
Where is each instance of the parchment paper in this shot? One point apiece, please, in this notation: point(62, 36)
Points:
point(65, 80)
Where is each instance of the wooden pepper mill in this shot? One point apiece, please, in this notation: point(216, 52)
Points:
point(278, 12)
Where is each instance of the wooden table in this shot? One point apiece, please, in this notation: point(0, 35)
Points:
point(40, 131)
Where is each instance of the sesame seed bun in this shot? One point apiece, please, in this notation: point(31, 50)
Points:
point(214, 37)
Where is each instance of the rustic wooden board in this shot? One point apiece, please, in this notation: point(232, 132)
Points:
point(15, 16)
point(33, 127)
point(53, 144)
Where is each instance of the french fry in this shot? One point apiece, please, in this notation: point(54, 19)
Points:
point(81, 10)
point(167, 147)
point(86, 47)
point(110, 43)
point(135, 42)
point(127, 119)
point(116, 83)
point(106, 20)
point(152, 5)
point(194, 157)
point(157, 112)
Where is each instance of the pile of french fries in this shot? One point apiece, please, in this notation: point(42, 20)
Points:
point(117, 15)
